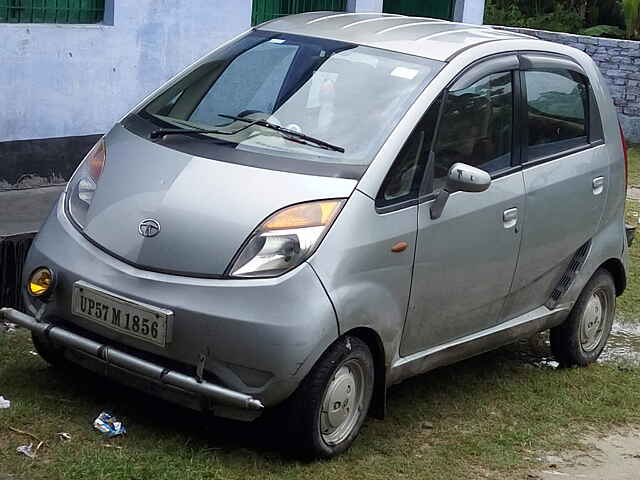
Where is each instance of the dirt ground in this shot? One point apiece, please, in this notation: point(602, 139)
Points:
point(612, 457)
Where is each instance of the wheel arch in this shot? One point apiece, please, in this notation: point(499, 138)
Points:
point(616, 268)
point(374, 342)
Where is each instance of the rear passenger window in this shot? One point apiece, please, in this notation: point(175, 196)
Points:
point(476, 127)
point(557, 111)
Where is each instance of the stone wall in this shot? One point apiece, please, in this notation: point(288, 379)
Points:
point(619, 61)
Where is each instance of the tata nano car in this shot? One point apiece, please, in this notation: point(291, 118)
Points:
point(329, 204)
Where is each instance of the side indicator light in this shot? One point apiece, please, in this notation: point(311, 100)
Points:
point(399, 247)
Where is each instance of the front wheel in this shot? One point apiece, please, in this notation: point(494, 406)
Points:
point(327, 411)
point(582, 337)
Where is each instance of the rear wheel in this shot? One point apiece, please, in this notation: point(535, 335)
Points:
point(325, 414)
point(582, 337)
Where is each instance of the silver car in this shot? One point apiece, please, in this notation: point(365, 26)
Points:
point(329, 204)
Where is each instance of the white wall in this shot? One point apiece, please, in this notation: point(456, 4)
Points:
point(466, 11)
point(364, 5)
point(68, 80)
point(472, 11)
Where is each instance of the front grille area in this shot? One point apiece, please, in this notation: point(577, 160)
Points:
point(13, 253)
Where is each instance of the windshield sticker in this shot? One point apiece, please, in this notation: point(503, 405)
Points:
point(403, 72)
point(277, 40)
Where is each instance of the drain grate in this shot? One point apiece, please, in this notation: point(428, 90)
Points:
point(569, 275)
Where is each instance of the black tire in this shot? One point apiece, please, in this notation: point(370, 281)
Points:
point(569, 341)
point(302, 412)
point(50, 353)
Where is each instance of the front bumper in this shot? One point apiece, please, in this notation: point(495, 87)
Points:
point(259, 337)
point(112, 357)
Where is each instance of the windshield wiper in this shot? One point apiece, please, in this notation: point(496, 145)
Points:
point(161, 132)
point(285, 131)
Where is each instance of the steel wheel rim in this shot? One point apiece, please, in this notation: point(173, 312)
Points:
point(593, 320)
point(342, 402)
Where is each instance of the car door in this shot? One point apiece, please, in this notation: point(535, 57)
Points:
point(565, 168)
point(465, 259)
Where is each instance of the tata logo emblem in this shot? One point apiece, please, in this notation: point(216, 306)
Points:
point(149, 228)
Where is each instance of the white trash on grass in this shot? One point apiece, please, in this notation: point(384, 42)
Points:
point(109, 425)
point(9, 327)
point(26, 450)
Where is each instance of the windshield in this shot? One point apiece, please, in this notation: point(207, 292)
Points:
point(337, 93)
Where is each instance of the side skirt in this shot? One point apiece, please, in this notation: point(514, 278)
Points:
point(506, 333)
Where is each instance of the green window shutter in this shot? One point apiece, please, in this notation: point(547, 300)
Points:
point(420, 8)
point(264, 10)
point(26, 12)
point(37, 11)
point(51, 11)
point(72, 11)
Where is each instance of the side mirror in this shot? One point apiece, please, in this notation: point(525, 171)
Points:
point(461, 178)
point(465, 178)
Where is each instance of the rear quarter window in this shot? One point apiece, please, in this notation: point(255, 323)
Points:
point(557, 111)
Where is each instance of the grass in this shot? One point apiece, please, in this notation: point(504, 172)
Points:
point(629, 304)
point(634, 166)
point(487, 417)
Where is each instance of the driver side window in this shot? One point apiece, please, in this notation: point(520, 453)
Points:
point(476, 127)
point(405, 176)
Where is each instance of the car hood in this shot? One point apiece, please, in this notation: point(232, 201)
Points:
point(206, 208)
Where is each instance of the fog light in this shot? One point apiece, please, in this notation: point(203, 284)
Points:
point(41, 282)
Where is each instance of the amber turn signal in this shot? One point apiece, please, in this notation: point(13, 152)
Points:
point(40, 282)
point(312, 214)
point(96, 160)
point(399, 247)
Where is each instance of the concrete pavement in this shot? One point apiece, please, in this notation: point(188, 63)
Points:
point(23, 211)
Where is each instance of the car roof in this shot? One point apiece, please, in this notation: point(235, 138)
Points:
point(425, 37)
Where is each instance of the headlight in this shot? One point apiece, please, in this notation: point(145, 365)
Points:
point(82, 186)
point(285, 239)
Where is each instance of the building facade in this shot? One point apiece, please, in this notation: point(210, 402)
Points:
point(69, 72)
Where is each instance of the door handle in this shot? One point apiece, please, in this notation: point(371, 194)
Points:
point(598, 185)
point(510, 218)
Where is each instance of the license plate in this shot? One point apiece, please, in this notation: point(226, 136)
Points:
point(144, 322)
